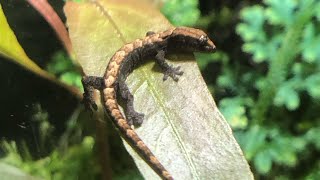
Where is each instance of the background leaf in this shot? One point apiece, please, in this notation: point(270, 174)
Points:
point(312, 84)
point(287, 96)
point(310, 44)
point(11, 49)
point(12, 173)
point(263, 162)
point(181, 12)
point(280, 12)
point(234, 111)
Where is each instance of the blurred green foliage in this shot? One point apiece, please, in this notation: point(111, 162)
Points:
point(279, 34)
point(63, 68)
point(77, 161)
point(71, 159)
point(272, 104)
point(289, 22)
point(181, 12)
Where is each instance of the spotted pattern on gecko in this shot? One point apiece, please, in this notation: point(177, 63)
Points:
point(122, 63)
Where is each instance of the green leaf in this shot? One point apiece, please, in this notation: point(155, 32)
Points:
point(318, 12)
point(72, 78)
point(263, 161)
point(254, 141)
point(234, 112)
point(11, 49)
point(226, 80)
point(313, 136)
point(181, 12)
point(297, 69)
point(272, 46)
point(283, 151)
point(310, 44)
point(257, 49)
point(287, 96)
point(253, 33)
point(252, 28)
point(312, 84)
point(60, 63)
point(263, 51)
point(204, 59)
point(190, 133)
point(280, 12)
point(64, 69)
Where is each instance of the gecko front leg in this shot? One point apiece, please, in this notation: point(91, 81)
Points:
point(168, 70)
point(90, 83)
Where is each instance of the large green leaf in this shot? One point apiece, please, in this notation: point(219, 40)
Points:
point(11, 49)
point(182, 125)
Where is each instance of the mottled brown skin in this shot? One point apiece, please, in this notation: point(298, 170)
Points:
point(154, 45)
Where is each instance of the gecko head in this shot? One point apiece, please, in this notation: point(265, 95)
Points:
point(191, 39)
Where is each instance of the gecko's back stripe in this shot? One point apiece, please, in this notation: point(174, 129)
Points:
point(112, 106)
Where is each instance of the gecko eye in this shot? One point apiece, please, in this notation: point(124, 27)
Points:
point(203, 39)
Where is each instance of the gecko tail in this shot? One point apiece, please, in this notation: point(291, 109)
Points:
point(147, 155)
point(137, 144)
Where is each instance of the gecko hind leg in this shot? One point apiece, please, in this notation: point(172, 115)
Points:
point(168, 70)
point(90, 83)
point(133, 117)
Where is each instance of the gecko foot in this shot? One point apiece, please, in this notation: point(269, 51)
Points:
point(88, 101)
point(134, 118)
point(90, 83)
point(173, 72)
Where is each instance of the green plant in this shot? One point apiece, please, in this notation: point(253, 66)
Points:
point(80, 159)
point(289, 22)
point(181, 12)
point(281, 118)
point(77, 153)
point(63, 68)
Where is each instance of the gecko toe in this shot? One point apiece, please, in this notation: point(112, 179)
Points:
point(135, 118)
point(165, 77)
point(175, 78)
point(177, 71)
point(173, 72)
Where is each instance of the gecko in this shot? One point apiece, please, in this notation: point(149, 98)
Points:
point(113, 86)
